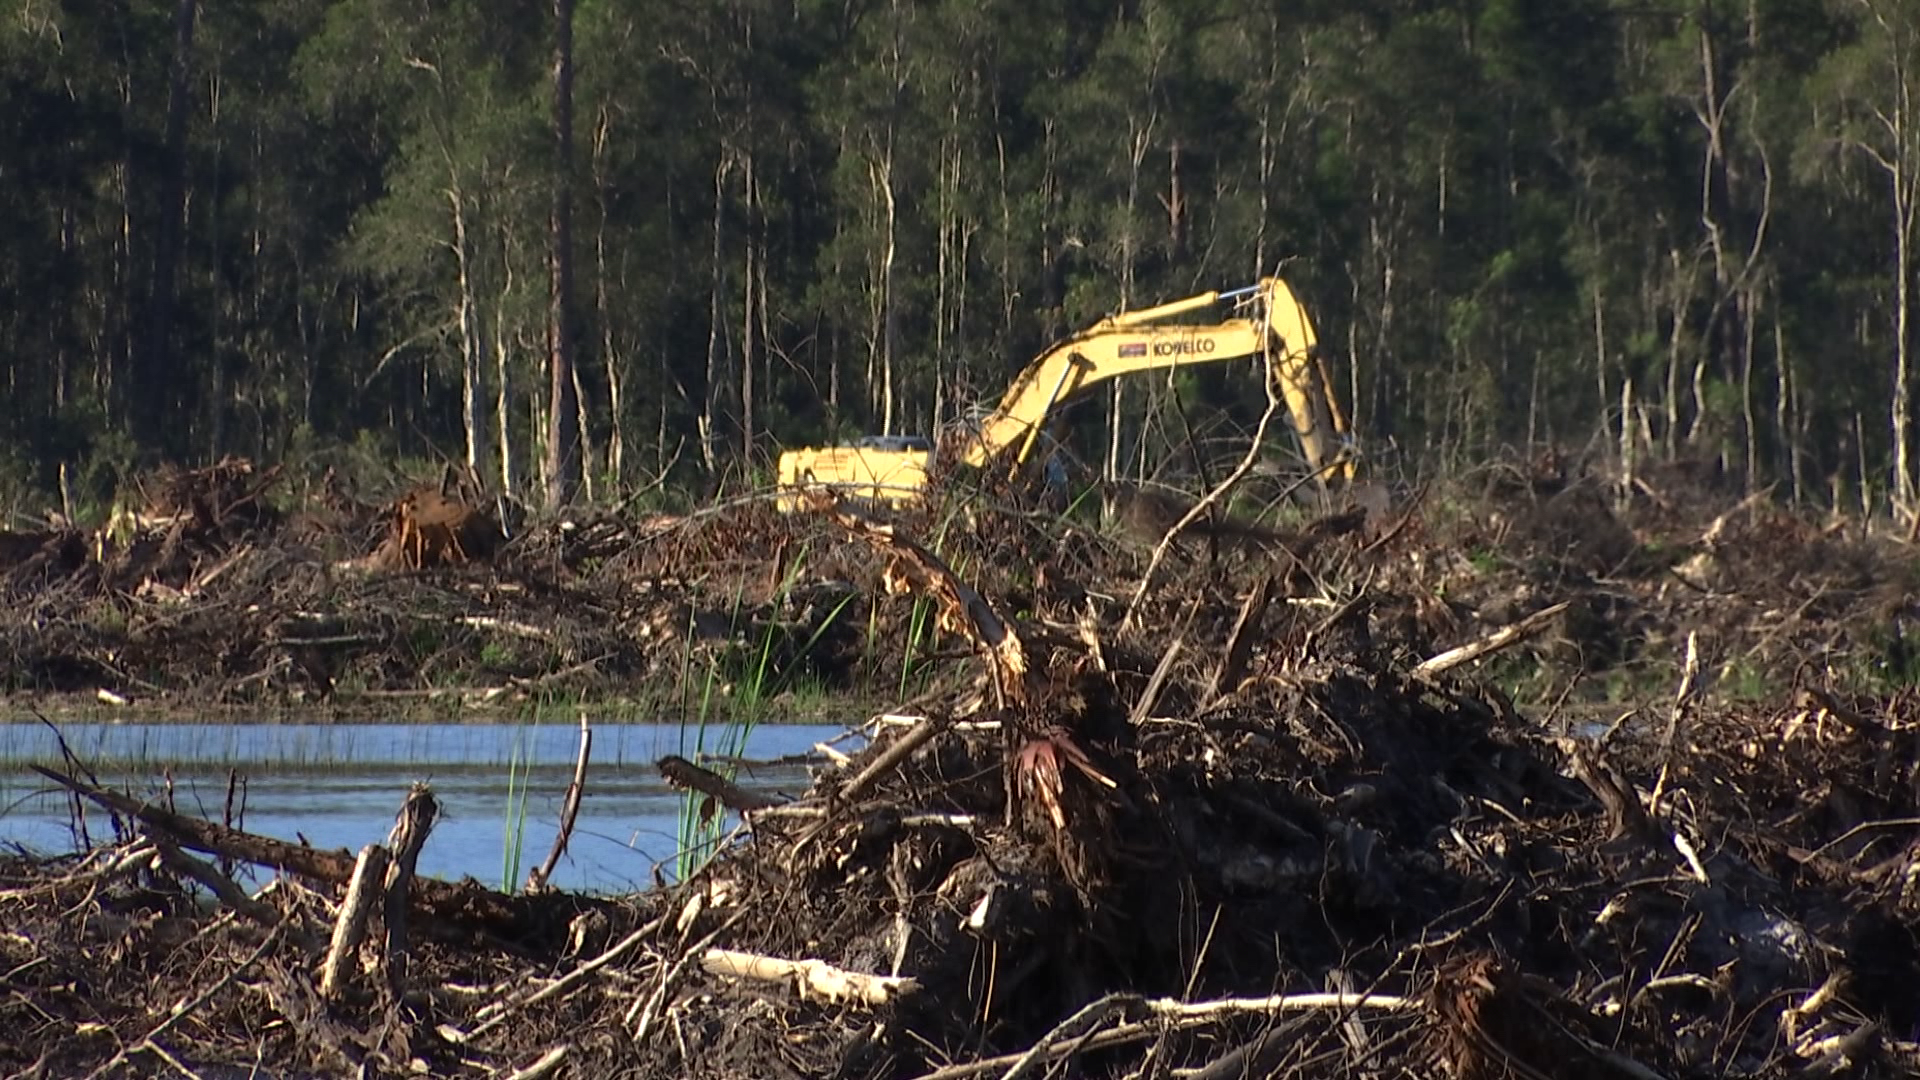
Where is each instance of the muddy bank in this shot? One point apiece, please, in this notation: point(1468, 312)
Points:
point(1279, 818)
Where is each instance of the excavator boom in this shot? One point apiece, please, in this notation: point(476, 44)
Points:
point(1274, 324)
point(1137, 341)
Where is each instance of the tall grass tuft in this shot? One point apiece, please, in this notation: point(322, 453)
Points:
point(715, 731)
point(514, 833)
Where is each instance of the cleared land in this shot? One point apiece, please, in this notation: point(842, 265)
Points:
point(1273, 812)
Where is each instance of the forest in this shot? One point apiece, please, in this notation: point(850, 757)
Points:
point(581, 244)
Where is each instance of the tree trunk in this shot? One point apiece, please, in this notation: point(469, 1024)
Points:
point(503, 394)
point(472, 344)
point(889, 328)
point(563, 421)
point(1682, 291)
point(1749, 408)
point(1140, 142)
point(1783, 410)
point(156, 385)
point(947, 227)
point(603, 307)
point(716, 333)
point(585, 430)
point(749, 283)
point(1902, 404)
point(1009, 290)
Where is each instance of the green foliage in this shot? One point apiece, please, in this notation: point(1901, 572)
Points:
point(514, 831)
point(1748, 680)
point(1884, 661)
point(1497, 211)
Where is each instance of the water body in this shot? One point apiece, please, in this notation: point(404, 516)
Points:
point(339, 786)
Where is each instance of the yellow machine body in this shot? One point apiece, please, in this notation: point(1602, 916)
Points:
point(1273, 324)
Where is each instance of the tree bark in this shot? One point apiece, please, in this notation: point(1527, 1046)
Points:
point(563, 419)
point(716, 334)
point(751, 278)
point(1902, 404)
point(472, 344)
point(609, 350)
point(889, 303)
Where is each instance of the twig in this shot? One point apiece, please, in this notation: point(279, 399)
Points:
point(166, 1055)
point(1198, 509)
point(665, 471)
point(1385, 538)
point(79, 768)
point(1845, 1052)
point(1682, 697)
point(99, 865)
point(1077, 1027)
point(1277, 1003)
point(565, 983)
point(963, 605)
point(1492, 643)
point(505, 626)
point(569, 811)
point(186, 1008)
point(546, 1065)
point(1240, 640)
point(645, 1010)
point(223, 886)
point(465, 902)
point(1151, 695)
point(901, 750)
point(1182, 1015)
point(557, 674)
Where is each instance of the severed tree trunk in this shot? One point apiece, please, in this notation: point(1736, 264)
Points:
point(564, 464)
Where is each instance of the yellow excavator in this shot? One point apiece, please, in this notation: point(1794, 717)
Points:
point(894, 469)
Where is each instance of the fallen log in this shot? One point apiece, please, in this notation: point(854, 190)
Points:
point(467, 903)
point(687, 776)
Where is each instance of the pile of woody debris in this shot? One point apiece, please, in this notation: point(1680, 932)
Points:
point(1240, 829)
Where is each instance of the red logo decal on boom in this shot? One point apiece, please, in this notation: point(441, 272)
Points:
point(1138, 348)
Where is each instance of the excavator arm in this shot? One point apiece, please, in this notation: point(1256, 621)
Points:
point(1271, 322)
point(1141, 341)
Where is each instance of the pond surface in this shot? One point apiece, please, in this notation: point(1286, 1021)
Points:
point(339, 786)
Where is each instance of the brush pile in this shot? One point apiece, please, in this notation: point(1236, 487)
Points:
point(1269, 817)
